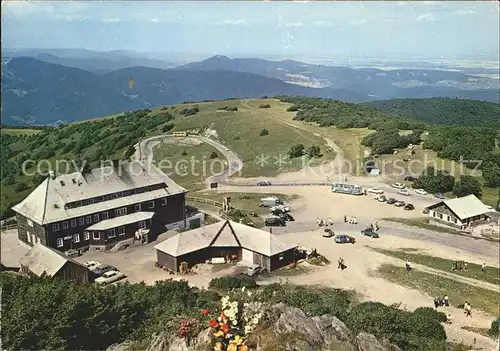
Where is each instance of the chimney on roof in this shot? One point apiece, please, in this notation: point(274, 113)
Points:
point(73, 180)
point(52, 175)
point(62, 182)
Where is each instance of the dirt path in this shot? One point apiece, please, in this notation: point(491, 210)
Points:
point(362, 264)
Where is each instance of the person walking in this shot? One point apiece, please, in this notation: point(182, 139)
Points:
point(355, 220)
point(483, 267)
point(436, 302)
point(446, 301)
point(467, 309)
point(466, 266)
point(345, 219)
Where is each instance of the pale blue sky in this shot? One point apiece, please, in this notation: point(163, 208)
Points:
point(452, 30)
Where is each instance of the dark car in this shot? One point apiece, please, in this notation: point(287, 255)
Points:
point(343, 239)
point(439, 196)
point(275, 222)
point(409, 207)
point(328, 233)
point(410, 179)
point(399, 203)
point(370, 232)
point(103, 268)
point(264, 183)
point(391, 201)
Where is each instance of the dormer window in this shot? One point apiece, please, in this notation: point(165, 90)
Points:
point(62, 182)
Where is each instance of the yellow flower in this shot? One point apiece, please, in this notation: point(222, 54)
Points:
point(243, 348)
point(238, 340)
point(219, 334)
point(218, 346)
point(232, 347)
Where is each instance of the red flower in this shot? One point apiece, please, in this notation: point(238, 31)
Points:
point(213, 323)
point(225, 328)
point(205, 312)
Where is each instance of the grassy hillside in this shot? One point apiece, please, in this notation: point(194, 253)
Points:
point(113, 137)
point(443, 111)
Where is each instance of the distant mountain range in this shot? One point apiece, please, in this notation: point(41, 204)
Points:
point(36, 92)
point(50, 86)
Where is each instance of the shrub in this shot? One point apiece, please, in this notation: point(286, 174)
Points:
point(264, 132)
point(232, 282)
point(184, 153)
point(431, 313)
point(264, 106)
point(425, 326)
point(495, 328)
point(167, 127)
point(21, 186)
point(296, 151)
point(292, 108)
point(214, 154)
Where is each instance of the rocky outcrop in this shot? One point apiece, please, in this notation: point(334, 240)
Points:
point(283, 328)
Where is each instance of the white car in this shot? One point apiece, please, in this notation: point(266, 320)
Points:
point(374, 191)
point(420, 191)
point(91, 265)
point(280, 208)
point(110, 277)
point(403, 192)
point(398, 186)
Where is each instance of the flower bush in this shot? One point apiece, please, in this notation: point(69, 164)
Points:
point(231, 326)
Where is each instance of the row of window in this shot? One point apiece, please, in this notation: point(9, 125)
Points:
point(111, 233)
point(104, 215)
point(448, 218)
point(109, 197)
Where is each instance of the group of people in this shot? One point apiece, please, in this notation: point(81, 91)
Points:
point(324, 222)
point(341, 264)
point(441, 301)
point(467, 312)
point(375, 226)
point(350, 220)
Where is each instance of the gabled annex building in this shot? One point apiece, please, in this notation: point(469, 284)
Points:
point(99, 208)
point(225, 239)
point(460, 212)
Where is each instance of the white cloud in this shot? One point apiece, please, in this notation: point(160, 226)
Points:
point(464, 12)
point(358, 22)
point(232, 22)
point(112, 20)
point(430, 3)
point(426, 17)
point(154, 20)
point(322, 23)
point(295, 24)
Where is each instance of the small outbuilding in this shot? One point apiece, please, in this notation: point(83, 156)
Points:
point(227, 239)
point(460, 212)
point(42, 259)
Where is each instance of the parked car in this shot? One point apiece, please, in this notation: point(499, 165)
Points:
point(255, 270)
point(328, 233)
point(410, 179)
point(72, 253)
point(275, 222)
point(399, 203)
point(110, 277)
point(439, 196)
point(425, 210)
point(391, 201)
point(264, 183)
point(103, 268)
point(380, 198)
point(403, 192)
point(91, 265)
point(374, 191)
point(420, 191)
point(409, 207)
point(398, 186)
point(282, 208)
point(343, 239)
point(370, 232)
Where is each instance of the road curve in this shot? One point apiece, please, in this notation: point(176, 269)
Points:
point(144, 153)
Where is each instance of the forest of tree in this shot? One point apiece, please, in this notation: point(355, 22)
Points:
point(444, 111)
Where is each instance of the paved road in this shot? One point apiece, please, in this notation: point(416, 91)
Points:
point(144, 152)
point(475, 246)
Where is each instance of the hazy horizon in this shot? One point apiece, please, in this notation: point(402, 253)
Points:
point(422, 30)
